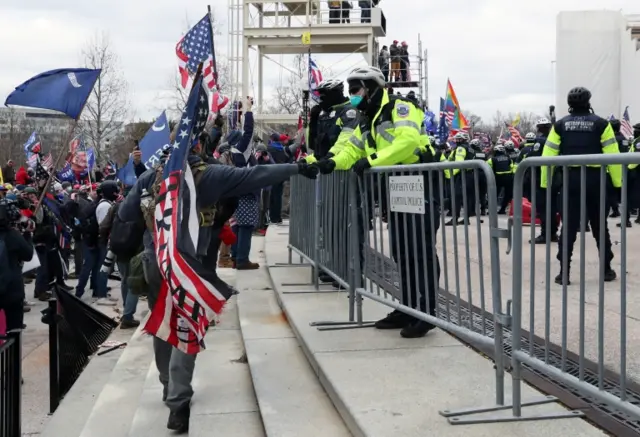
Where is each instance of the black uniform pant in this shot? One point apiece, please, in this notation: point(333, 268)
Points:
point(505, 181)
point(571, 223)
point(413, 249)
point(541, 209)
point(633, 191)
point(462, 191)
point(613, 198)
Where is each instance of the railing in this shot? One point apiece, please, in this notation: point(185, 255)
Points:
point(452, 280)
point(10, 385)
point(76, 331)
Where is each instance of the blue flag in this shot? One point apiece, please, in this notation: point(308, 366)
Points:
point(65, 90)
point(154, 140)
point(28, 146)
point(127, 174)
point(430, 121)
point(66, 174)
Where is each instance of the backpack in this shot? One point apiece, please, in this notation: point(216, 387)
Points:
point(88, 223)
point(5, 268)
point(125, 240)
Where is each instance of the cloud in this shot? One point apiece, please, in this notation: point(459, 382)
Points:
point(497, 53)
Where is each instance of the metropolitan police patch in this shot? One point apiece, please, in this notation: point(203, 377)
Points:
point(351, 113)
point(402, 110)
point(536, 147)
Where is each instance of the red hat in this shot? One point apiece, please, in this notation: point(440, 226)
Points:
point(395, 41)
point(404, 43)
point(284, 137)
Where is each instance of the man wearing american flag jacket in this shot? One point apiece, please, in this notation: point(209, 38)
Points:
point(216, 182)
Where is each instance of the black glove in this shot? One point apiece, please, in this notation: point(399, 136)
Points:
point(329, 155)
point(308, 171)
point(360, 166)
point(326, 166)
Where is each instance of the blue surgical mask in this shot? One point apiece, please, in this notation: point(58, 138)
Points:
point(355, 100)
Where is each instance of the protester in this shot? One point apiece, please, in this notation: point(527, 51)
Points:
point(9, 173)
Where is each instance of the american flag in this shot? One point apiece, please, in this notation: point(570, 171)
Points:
point(188, 299)
point(196, 48)
point(315, 77)
point(515, 134)
point(625, 124)
point(47, 161)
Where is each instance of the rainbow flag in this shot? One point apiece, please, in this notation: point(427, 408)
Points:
point(453, 113)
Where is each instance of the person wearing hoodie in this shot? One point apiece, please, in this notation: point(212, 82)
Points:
point(278, 152)
point(22, 177)
point(216, 183)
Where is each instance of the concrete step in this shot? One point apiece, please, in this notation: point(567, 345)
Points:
point(151, 414)
point(291, 399)
point(114, 410)
point(224, 402)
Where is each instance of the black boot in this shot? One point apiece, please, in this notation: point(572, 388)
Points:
point(542, 239)
point(559, 279)
point(615, 213)
point(628, 224)
point(394, 320)
point(416, 329)
point(323, 277)
point(179, 420)
point(609, 275)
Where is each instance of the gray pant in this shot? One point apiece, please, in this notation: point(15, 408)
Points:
point(175, 367)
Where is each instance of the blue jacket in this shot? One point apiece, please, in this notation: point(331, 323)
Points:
point(242, 152)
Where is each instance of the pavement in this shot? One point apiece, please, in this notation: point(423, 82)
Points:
point(35, 358)
point(383, 384)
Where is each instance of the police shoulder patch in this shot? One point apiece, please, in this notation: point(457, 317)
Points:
point(536, 147)
point(333, 114)
point(351, 113)
point(402, 110)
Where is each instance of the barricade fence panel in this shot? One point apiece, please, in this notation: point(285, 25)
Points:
point(10, 384)
point(302, 228)
point(571, 310)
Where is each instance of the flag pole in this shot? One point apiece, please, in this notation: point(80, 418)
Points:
point(213, 47)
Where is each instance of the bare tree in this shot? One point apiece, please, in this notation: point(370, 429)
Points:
point(107, 107)
point(287, 99)
point(528, 122)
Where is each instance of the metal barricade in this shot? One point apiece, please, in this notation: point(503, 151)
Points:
point(10, 385)
point(574, 333)
point(406, 270)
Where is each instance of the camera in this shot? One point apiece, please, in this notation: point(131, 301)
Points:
point(10, 214)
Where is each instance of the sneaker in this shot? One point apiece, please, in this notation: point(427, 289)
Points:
point(248, 266)
point(179, 420)
point(129, 323)
point(394, 320)
point(417, 329)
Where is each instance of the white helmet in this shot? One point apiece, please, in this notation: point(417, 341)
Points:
point(368, 73)
point(530, 136)
point(331, 84)
point(460, 137)
point(499, 148)
point(509, 144)
point(543, 121)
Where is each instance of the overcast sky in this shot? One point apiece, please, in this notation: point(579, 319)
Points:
point(498, 53)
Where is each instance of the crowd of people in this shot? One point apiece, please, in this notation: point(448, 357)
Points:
point(340, 11)
point(395, 63)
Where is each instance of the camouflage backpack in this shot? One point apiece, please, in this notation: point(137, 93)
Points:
point(148, 201)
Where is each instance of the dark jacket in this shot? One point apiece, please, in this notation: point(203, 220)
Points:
point(19, 250)
point(278, 152)
point(9, 174)
point(139, 168)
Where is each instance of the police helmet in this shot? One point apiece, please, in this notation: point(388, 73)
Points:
point(461, 137)
point(328, 85)
point(509, 145)
point(530, 136)
point(371, 74)
point(543, 122)
point(499, 148)
point(579, 97)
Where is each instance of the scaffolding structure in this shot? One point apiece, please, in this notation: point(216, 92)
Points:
point(287, 27)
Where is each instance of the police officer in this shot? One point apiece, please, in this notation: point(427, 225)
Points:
point(332, 121)
point(503, 168)
point(527, 147)
point(390, 133)
point(623, 145)
point(476, 145)
point(331, 125)
point(582, 133)
point(463, 152)
point(544, 127)
point(633, 185)
point(511, 150)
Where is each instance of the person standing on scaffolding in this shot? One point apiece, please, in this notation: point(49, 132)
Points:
point(390, 133)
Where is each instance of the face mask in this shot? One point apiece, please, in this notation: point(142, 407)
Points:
point(355, 100)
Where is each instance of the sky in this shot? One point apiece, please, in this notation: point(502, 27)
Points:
point(497, 53)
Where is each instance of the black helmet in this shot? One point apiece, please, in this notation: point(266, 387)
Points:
point(109, 190)
point(615, 125)
point(579, 97)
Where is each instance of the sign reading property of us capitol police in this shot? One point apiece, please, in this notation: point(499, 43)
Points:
point(406, 194)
